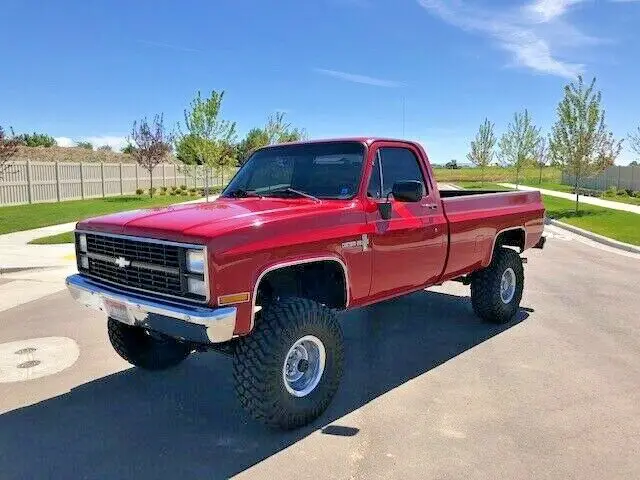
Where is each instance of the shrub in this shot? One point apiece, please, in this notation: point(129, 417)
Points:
point(636, 194)
point(36, 140)
point(162, 192)
point(610, 192)
point(622, 193)
point(139, 191)
point(128, 148)
point(152, 191)
point(183, 187)
point(212, 190)
point(85, 145)
point(172, 193)
point(184, 192)
point(163, 189)
point(192, 190)
point(173, 188)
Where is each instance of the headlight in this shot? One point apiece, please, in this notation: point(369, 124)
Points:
point(196, 286)
point(82, 239)
point(195, 261)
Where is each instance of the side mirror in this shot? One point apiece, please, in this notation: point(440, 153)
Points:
point(409, 191)
point(385, 209)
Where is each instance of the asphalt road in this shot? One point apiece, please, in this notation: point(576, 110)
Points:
point(429, 392)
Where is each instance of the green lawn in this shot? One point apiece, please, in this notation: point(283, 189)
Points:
point(26, 217)
point(622, 199)
point(616, 224)
point(497, 174)
point(480, 186)
point(66, 237)
point(558, 187)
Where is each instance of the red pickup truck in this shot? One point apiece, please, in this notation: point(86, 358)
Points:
point(302, 231)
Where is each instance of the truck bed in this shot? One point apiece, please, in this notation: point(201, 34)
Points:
point(476, 218)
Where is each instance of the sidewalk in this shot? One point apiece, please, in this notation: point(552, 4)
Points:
point(583, 199)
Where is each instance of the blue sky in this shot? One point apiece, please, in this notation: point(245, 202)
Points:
point(86, 70)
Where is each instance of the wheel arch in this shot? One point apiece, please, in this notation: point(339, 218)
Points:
point(509, 237)
point(335, 261)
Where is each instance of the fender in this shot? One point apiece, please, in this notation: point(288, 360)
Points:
point(290, 263)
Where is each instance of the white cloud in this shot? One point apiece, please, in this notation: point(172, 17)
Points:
point(355, 78)
point(532, 33)
point(64, 142)
point(115, 142)
point(547, 10)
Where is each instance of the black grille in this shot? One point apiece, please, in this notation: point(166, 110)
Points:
point(162, 254)
point(150, 266)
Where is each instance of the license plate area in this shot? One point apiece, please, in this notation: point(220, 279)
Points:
point(118, 311)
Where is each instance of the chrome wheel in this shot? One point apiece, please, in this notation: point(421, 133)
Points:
point(507, 285)
point(303, 366)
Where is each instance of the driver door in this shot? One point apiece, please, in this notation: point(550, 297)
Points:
point(408, 248)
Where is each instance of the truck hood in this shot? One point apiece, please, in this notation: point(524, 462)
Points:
point(206, 220)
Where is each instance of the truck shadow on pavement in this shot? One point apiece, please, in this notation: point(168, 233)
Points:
point(187, 423)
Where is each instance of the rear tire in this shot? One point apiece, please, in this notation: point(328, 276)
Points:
point(496, 291)
point(289, 368)
point(144, 349)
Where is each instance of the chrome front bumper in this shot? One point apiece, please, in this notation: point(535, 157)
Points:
point(187, 322)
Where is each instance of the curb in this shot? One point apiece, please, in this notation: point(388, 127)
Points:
point(610, 242)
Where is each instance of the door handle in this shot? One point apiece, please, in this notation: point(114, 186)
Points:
point(431, 206)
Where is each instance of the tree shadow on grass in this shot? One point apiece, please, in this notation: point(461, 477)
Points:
point(186, 422)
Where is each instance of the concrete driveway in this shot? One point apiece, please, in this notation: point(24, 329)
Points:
point(429, 392)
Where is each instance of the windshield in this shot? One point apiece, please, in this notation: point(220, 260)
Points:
point(321, 170)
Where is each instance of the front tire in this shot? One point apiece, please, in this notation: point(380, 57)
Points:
point(288, 369)
point(144, 349)
point(496, 291)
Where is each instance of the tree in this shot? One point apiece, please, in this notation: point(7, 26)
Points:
point(8, 149)
point(207, 136)
point(520, 143)
point(634, 164)
point(105, 148)
point(36, 140)
point(634, 140)
point(128, 149)
point(452, 164)
point(542, 156)
point(151, 143)
point(85, 145)
point(279, 131)
point(276, 130)
point(580, 141)
point(256, 138)
point(482, 147)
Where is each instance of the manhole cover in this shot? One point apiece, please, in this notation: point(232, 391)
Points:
point(24, 351)
point(29, 364)
point(36, 357)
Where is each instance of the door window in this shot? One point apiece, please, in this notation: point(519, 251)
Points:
point(393, 164)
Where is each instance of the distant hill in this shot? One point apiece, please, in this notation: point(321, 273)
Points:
point(74, 154)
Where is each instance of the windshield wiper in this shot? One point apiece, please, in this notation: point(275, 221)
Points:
point(240, 193)
point(289, 190)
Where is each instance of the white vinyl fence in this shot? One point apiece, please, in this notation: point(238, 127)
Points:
point(614, 176)
point(36, 182)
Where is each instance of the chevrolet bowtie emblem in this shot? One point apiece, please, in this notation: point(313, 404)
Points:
point(122, 262)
